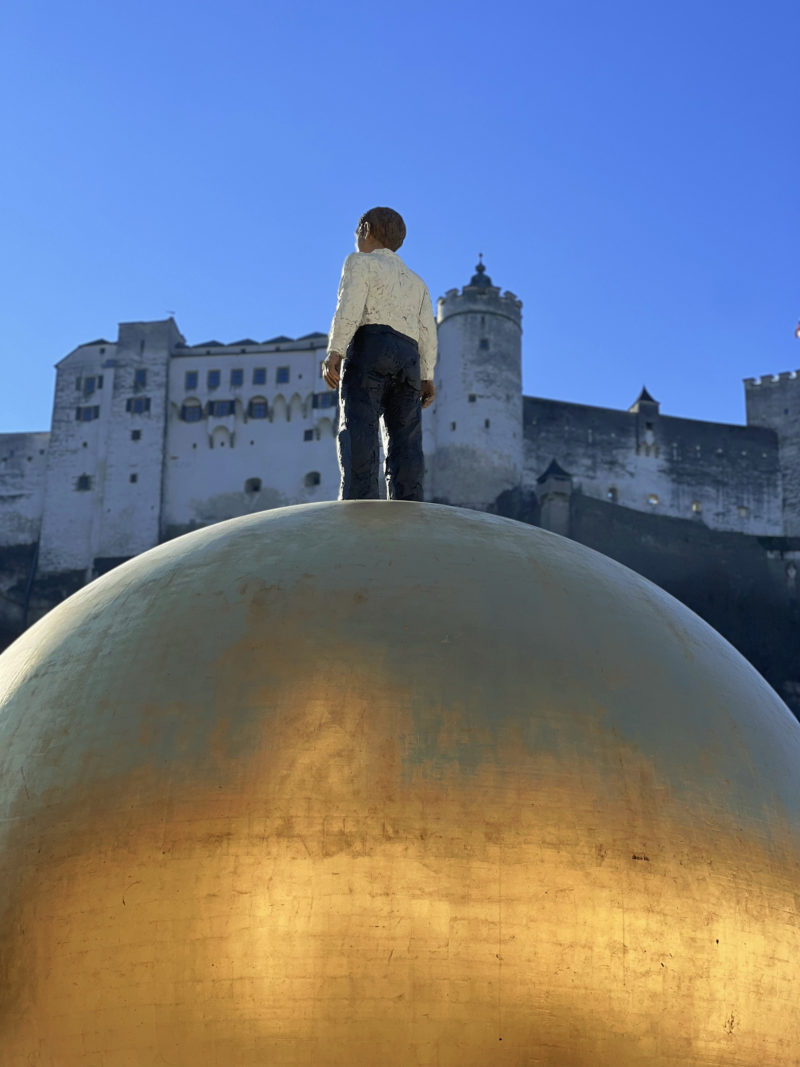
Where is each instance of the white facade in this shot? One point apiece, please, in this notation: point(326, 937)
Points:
point(250, 427)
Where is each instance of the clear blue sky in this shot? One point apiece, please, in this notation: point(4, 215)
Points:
point(631, 170)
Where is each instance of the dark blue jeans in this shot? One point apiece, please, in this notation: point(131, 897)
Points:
point(381, 377)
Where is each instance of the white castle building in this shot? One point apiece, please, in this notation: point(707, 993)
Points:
point(152, 437)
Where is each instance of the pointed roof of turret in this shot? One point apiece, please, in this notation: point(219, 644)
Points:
point(643, 398)
point(480, 277)
point(555, 470)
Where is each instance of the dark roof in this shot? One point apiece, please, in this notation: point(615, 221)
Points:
point(245, 341)
point(274, 340)
point(308, 336)
point(555, 470)
point(643, 398)
point(99, 341)
point(480, 277)
point(210, 344)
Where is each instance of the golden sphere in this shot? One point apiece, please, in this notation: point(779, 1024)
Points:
point(392, 784)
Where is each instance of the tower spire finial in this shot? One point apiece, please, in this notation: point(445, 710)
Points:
point(480, 277)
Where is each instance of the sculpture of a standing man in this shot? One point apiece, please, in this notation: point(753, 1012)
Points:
point(382, 351)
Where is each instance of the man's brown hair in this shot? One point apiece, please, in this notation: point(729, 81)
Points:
point(385, 225)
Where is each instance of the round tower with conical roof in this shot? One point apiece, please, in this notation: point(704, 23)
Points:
point(477, 424)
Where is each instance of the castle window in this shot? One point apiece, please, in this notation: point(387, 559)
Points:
point(191, 410)
point(612, 494)
point(78, 383)
point(87, 414)
point(136, 435)
point(134, 478)
point(140, 378)
point(83, 483)
point(88, 385)
point(484, 344)
point(452, 426)
point(237, 377)
point(324, 400)
point(486, 424)
point(213, 379)
point(282, 375)
point(190, 381)
point(311, 479)
point(652, 500)
point(252, 485)
point(137, 405)
point(472, 398)
point(257, 408)
point(743, 511)
point(221, 408)
point(308, 435)
point(697, 507)
point(260, 376)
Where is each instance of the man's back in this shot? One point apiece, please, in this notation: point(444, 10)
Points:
point(378, 288)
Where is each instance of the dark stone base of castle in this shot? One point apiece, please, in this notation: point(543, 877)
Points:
point(745, 587)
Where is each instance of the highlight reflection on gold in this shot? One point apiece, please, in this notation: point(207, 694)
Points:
point(392, 784)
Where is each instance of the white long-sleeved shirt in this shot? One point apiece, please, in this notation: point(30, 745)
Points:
point(378, 288)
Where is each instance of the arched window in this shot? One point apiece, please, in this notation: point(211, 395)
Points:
point(258, 408)
point(191, 410)
point(311, 479)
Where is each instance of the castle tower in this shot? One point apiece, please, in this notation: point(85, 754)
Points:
point(774, 402)
point(104, 469)
point(477, 448)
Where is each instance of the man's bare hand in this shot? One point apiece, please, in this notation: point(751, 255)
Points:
point(332, 370)
point(428, 392)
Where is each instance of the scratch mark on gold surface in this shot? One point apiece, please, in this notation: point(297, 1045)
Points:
point(127, 887)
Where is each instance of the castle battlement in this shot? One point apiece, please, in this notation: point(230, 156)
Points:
point(772, 379)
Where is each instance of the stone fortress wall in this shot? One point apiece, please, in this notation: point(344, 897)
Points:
point(152, 437)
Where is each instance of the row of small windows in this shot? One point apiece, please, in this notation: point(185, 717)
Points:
point(653, 500)
point(93, 382)
point(253, 485)
point(192, 410)
point(136, 405)
point(85, 482)
point(214, 378)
